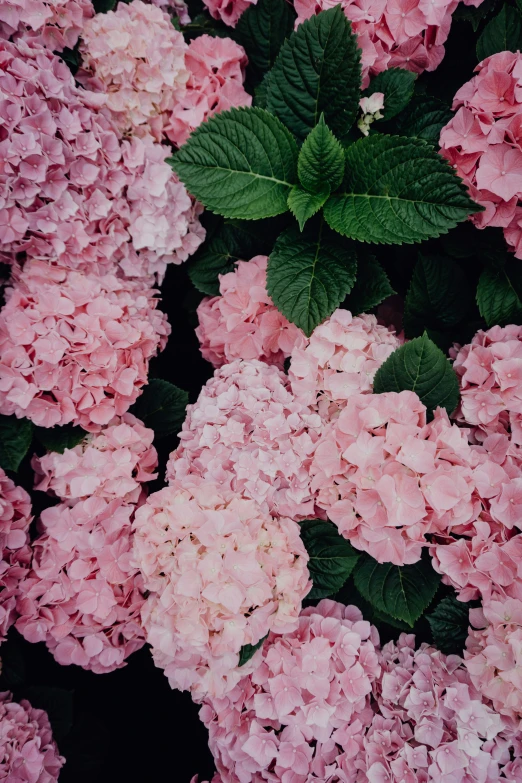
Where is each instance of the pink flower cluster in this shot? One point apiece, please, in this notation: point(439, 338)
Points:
point(228, 11)
point(83, 596)
point(340, 360)
point(222, 574)
point(69, 190)
point(111, 464)
point(243, 322)
point(248, 433)
point(54, 23)
point(15, 518)
point(27, 749)
point(483, 142)
point(75, 347)
point(393, 33)
point(136, 56)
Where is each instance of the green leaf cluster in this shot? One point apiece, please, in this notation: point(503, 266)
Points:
point(332, 557)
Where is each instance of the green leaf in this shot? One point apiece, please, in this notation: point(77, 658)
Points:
point(262, 30)
point(475, 15)
point(397, 85)
point(397, 190)
point(499, 294)
point(102, 6)
point(424, 118)
point(59, 438)
point(240, 164)
point(248, 651)
point(332, 557)
point(161, 407)
point(403, 592)
point(15, 439)
point(422, 368)
point(318, 70)
point(371, 287)
point(321, 160)
point(503, 33)
point(449, 623)
point(309, 275)
point(303, 204)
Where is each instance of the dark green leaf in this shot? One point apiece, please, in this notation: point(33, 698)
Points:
point(397, 190)
point(161, 407)
point(321, 160)
point(503, 33)
point(403, 592)
point(262, 30)
point(499, 294)
point(309, 275)
point(422, 368)
point(203, 24)
point(15, 439)
point(240, 164)
point(318, 70)
point(332, 557)
point(424, 118)
point(59, 438)
point(102, 6)
point(304, 205)
point(249, 650)
point(371, 287)
point(449, 623)
point(475, 15)
point(397, 85)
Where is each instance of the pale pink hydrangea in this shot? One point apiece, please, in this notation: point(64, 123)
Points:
point(178, 7)
point(228, 11)
point(340, 360)
point(243, 323)
point(27, 749)
point(56, 24)
point(483, 142)
point(247, 432)
point(137, 58)
point(216, 74)
point(15, 518)
point(112, 464)
point(70, 191)
point(221, 574)
point(84, 595)
point(75, 347)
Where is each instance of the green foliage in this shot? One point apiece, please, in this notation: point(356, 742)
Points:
point(161, 407)
point(371, 287)
point(59, 438)
point(332, 557)
point(240, 164)
point(102, 6)
point(309, 275)
point(320, 166)
point(422, 368)
point(397, 190)
point(424, 118)
point(449, 623)
point(499, 294)
point(262, 30)
point(397, 84)
point(304, 205)
point(475, 15)
point(403, 592)
point(502, 33)
point(317, 71)
point(248, 651)
point(15, 438)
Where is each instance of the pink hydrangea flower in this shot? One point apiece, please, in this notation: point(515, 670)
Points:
point(75, 347)
point(27, 749)
point(136, 56)
point(483, 142)
point(177, 7)
point(112, 464)
point(15, 518)
point(248, 433)
point(221, 574)
point(84, 595)
point(54, 23)
point(216, 74)
point(228, 11)
point(243, 322)
point(340, 360)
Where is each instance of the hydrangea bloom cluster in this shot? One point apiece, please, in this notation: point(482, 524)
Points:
point(83, 596)
point(70, 191)
point(387, 479)
point(55, 23)
point(27, 749)
point(340, 360)
point(216, 69)
point(483, 143)
point(111, 464)
point(393, 33)
point(15, 518)
point(243, 322)
point(222, 574)
point(247, 432)
point(75, 347)
point(371, 108)
point(228, 11)
point(136, 56)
